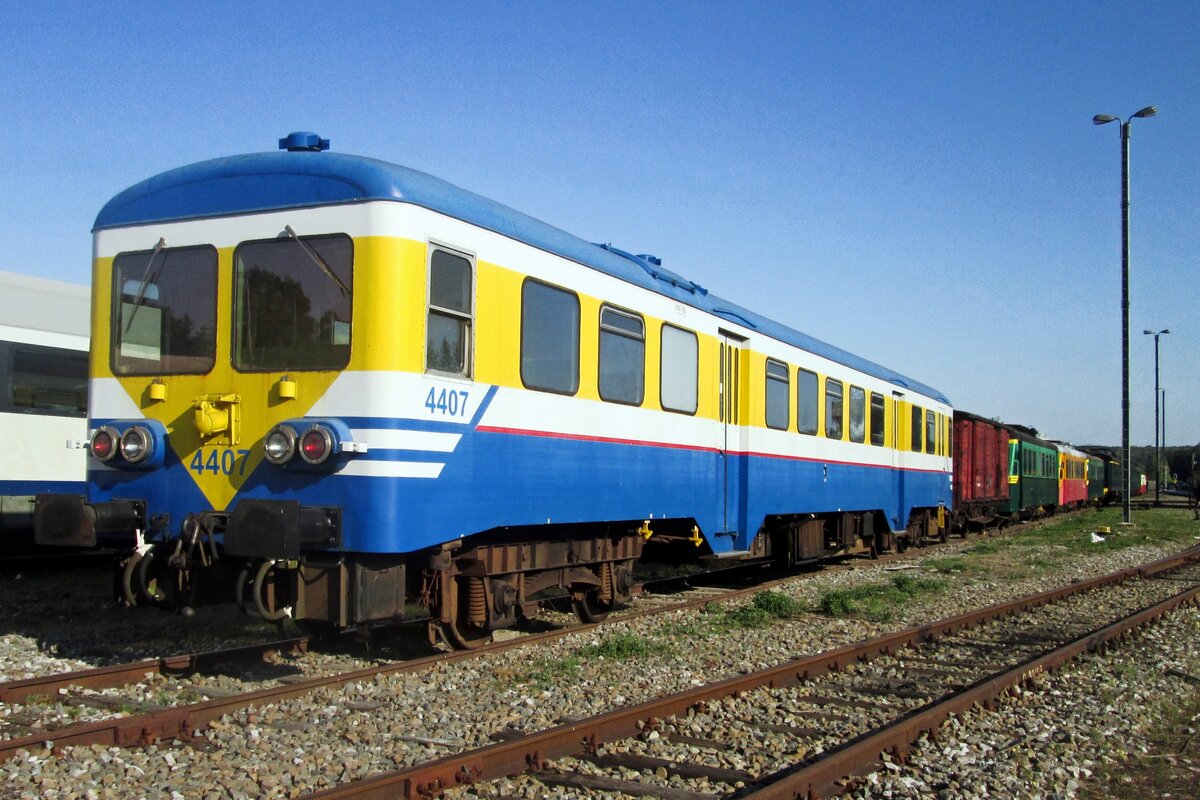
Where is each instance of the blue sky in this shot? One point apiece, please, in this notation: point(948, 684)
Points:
point(919, 183)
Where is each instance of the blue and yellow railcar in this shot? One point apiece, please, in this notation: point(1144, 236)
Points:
point(376, 395)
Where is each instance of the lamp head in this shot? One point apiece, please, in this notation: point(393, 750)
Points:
point(1101, 119)
point(1148, 111)
point(1148, 333)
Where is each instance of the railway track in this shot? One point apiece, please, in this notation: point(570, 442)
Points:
point(807, 727)
point(47, 709)
point(127, 722)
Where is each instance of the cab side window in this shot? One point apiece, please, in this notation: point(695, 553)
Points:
point(448, 328)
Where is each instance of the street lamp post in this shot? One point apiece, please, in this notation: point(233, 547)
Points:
point(1103, 119)
point(1164, 425)
point(1157, 451)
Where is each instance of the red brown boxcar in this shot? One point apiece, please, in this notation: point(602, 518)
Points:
point(980, 472)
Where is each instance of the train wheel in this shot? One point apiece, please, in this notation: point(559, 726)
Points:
point(468, 625)
point(589, 607)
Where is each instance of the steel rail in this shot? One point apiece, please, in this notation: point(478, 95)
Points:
point(115, 675)
point(186, 721)
point(827, 776)
point(531, 753)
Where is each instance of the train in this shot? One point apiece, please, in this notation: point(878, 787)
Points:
point(1005, 473)
point(341, 391)
point(43, 399)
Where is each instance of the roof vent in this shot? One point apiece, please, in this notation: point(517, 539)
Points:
point(654, 268)
point(302, 141)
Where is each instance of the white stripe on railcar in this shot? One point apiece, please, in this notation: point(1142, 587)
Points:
point(391, 469)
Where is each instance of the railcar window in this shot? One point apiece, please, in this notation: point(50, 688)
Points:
point(292, 303)
point(807, 402)
point(918, 414)
point(930, 431)
point(858, 415)
point(949, 436)
point(622, 357)
point(833, 408)
point(46, 380)
point(448, 331)
point(777, 395)
point(164, 312)
point(877, 419)
point(679, 371)
point(549, 338)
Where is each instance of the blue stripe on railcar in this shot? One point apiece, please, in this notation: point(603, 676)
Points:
point(30, 488)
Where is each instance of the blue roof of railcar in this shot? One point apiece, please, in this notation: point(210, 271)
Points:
point(285, 179)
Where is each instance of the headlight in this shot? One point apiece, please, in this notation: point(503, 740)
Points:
point(104, 443)
point(280, 444)
point(137, 444)
point(316, 444)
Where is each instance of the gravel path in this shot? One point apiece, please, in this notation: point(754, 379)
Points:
point(313, 742)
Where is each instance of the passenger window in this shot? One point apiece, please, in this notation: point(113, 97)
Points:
point(930, 431)
point(448, 331)
point(549, 338)
point(877, 419)
point(833, 408)
point(777, 395)
point(807, 401)
point(680, 353)
point(48, 380)
point(918, 415)
point(858, 414)
point(622, 357)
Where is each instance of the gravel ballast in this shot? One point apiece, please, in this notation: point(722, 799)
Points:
point(331, 736)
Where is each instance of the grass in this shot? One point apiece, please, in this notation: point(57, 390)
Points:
point(547, 671)
point(683, 629)
point(764, 609)
point(987, 547)
point(1075, 532)
point(954, 565)
point(623, 646)
point(1021, 555)
point(878, 601)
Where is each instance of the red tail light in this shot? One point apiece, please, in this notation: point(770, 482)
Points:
point(104, 443)
point(316, 444)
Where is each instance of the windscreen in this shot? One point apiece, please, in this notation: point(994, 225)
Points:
point(293, 303)
point(164, 311)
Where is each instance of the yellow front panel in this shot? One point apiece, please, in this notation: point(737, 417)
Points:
point(386, 334)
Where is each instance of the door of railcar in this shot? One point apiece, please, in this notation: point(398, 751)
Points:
point(733, 451)
point(899, 449)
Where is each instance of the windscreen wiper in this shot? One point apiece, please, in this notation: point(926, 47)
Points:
point(141, 292)
point(320, 262)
